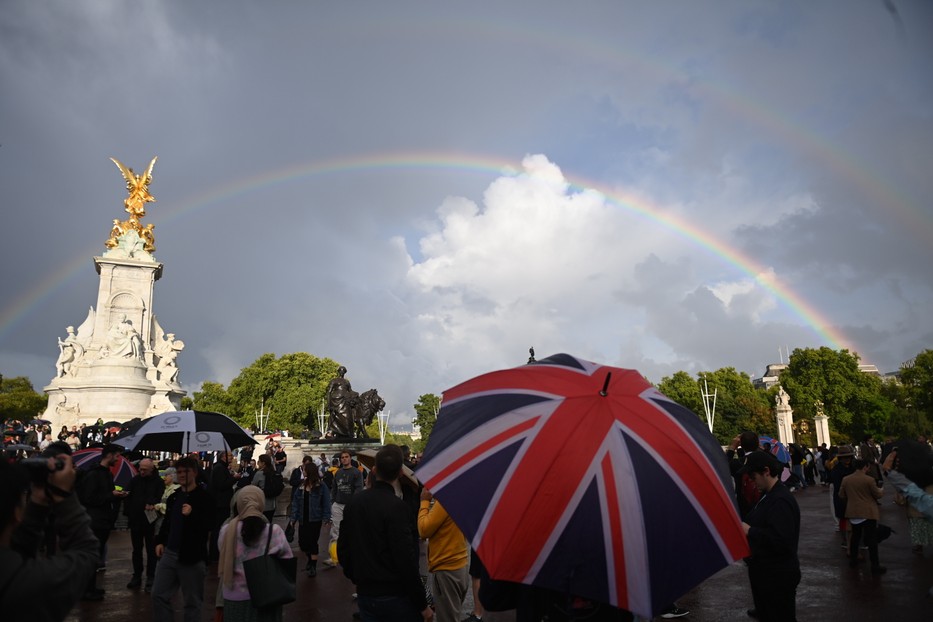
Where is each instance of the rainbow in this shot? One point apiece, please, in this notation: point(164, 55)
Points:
point(485, 165)
point(627, 65)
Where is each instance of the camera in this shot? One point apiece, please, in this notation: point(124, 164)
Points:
point(39, 468)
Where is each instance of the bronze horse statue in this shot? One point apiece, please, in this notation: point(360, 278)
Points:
point(363, 409)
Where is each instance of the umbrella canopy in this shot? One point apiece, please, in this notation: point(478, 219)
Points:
point(776, 447)
point(915, 460)
point(122, 469)
point(583, 478)
point(185, 431)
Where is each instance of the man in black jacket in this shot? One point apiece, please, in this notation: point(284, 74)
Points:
point(182, 546)
point(220, 485)
point(773, 531)
point(377, 550)
point(145, 491)
point(97, 494)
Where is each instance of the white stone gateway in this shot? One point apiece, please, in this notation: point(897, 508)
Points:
point(119, 363)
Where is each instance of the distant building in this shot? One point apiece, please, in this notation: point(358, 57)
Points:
point(771, 376)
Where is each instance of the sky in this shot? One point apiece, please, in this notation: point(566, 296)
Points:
point(422, 191)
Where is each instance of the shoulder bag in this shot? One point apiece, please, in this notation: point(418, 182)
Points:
point(271, 580)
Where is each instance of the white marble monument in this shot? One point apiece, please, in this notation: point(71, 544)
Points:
point(119, 363)
point(785, 417)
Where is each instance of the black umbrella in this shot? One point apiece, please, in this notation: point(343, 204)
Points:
point(915, 460)
point(185, 431)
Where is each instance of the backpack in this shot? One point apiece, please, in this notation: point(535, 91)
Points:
point(274, 486)
point(749, 491)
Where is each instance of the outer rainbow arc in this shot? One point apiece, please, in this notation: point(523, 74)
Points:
point(461, 162)
point(781, 128)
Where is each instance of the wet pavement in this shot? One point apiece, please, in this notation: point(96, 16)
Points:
point(830, 591)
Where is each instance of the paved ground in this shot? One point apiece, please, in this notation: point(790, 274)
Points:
point(830, 591)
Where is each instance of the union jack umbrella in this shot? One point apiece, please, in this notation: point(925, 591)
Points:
point(776, 447)
point(122, 469)
point(583, 478)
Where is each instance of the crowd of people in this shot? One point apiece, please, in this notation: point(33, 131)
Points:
point(764, 487)
point(187, 515)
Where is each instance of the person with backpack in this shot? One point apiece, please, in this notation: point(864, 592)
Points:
point(271, 483)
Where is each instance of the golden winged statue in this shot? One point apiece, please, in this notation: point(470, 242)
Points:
point(138, 188)
point(135, 204)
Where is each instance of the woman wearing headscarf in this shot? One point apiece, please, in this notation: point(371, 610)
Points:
point(310, 508)
point(243, 538)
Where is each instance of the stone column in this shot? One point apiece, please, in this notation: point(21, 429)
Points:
point(822, 430)
point(785, 417)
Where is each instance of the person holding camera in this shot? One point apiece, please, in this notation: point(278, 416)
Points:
point(26, 580)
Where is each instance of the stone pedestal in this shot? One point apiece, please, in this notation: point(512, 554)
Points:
point(822, 430)
point(785, 418)
point(120, 363)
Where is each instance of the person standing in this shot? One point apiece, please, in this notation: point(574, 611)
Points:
point(263, 479)
point(310, 509)
point(773, 531)
point(861, 494)
point(181, 546)
point(280, 458)
point(841, 469)
point(97, 494)
point(145, 492)
point(243, 538)
point(448, 555)
point(376, 548)
point(348, 481)
point(220, 485)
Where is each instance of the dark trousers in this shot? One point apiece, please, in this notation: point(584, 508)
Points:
point(869, 529)
point(387, 609)
point(774, 592)
point(102, 536)
point(143, 536)
point(220, 515)
point(308, 535)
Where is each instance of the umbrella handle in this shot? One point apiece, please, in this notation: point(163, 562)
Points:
point(605, 390)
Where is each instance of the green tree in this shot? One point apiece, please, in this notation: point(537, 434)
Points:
point(289, 389)
point(683, 389)
point(830, 379)
point(739, 405)
point(426, 410)
point(212, 397)
point(917, 378)
point(18, 400)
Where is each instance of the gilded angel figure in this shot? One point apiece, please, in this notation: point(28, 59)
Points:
point(138, 188)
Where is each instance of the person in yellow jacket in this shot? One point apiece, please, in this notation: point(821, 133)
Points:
point(448, 558)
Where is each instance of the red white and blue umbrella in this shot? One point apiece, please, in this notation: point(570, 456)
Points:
point(776, 447)
point(185, 431)
point(779, 451)
point(122, 469)
point(583, 478)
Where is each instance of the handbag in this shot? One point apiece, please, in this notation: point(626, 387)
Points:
point(290, 532)
point(271, 580)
